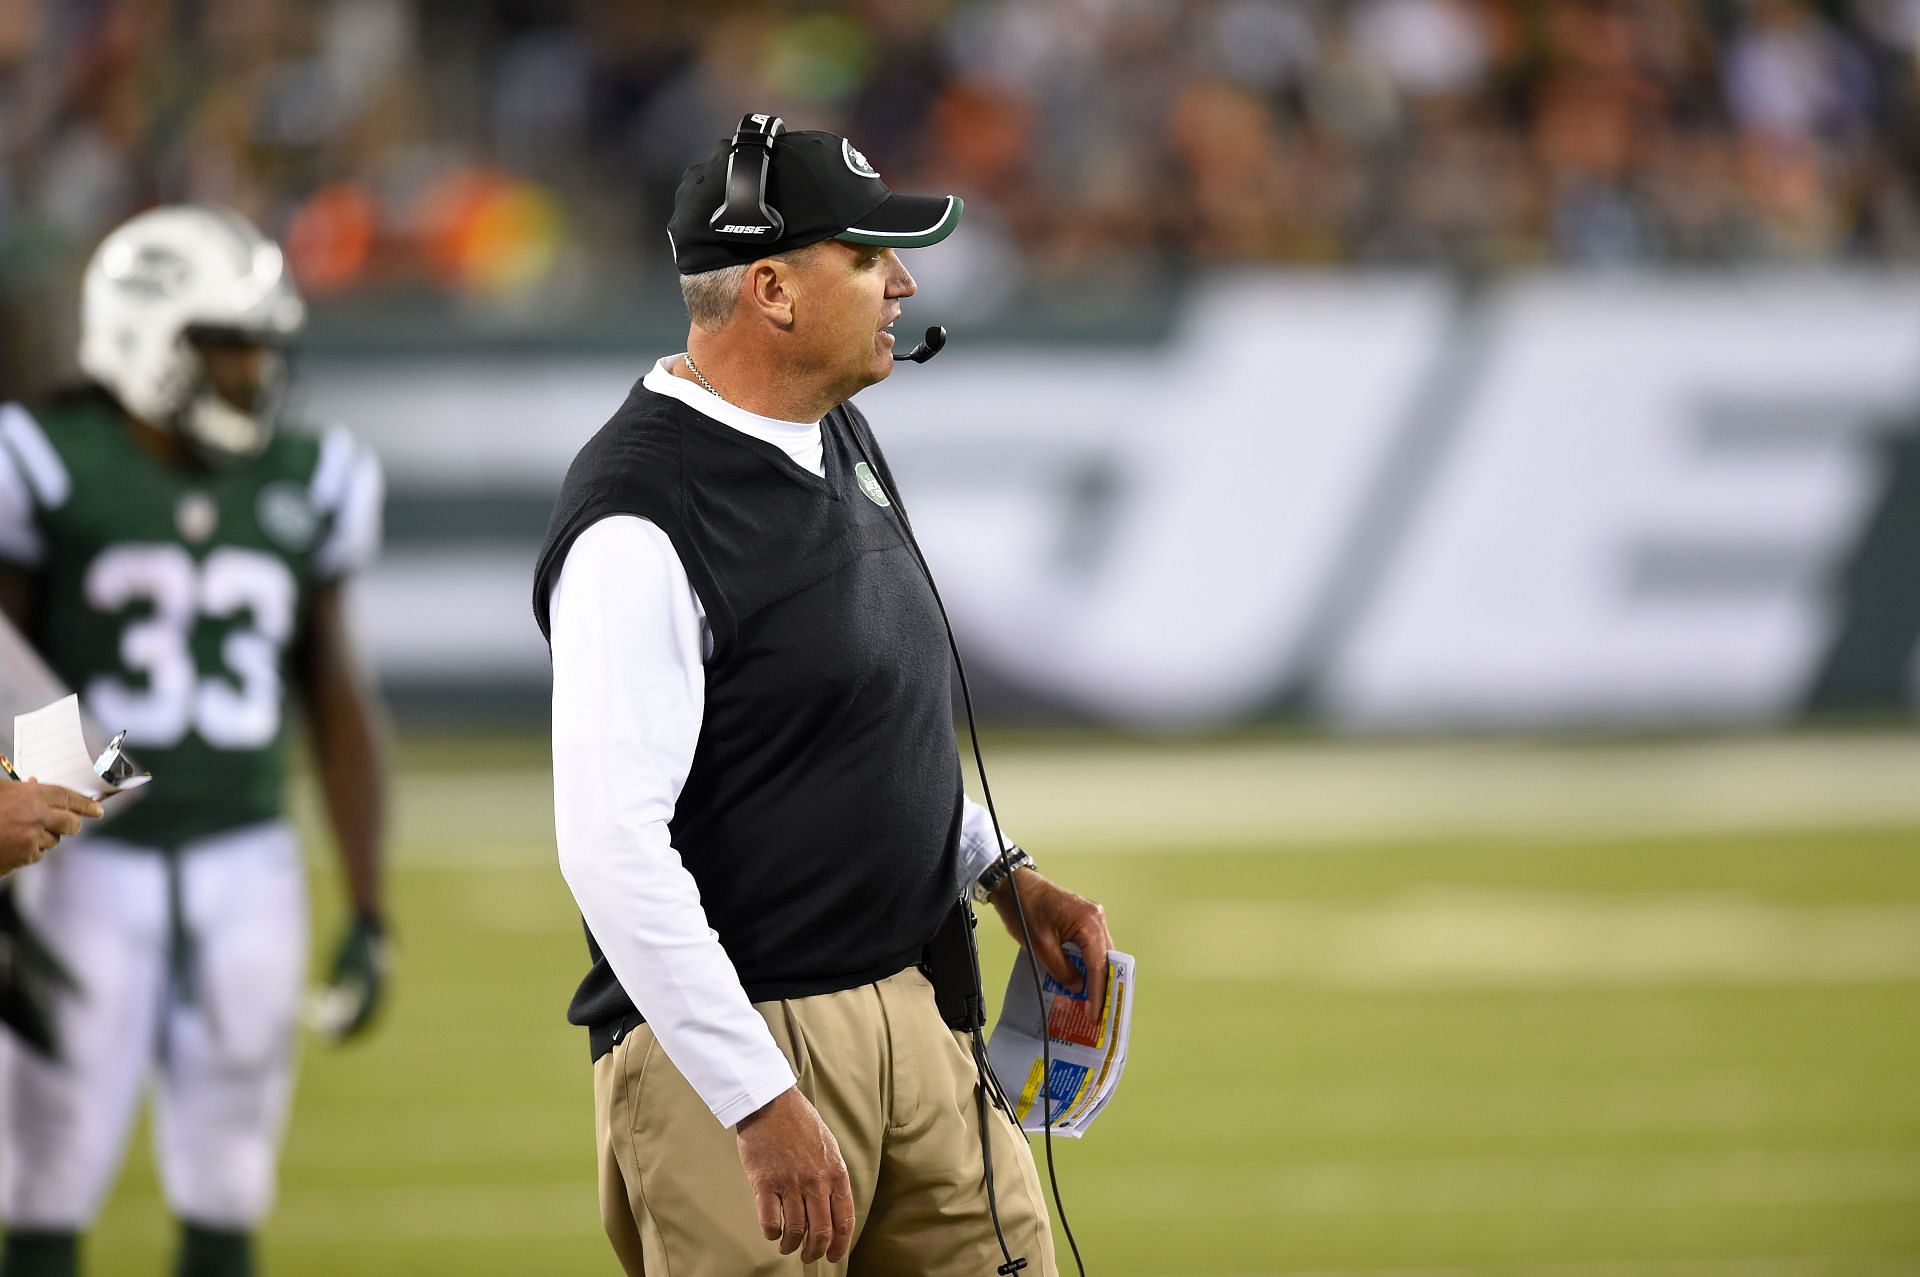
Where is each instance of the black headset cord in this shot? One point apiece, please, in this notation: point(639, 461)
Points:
point(980, 1062)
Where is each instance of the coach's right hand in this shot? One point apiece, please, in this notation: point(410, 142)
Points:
point(33, 817)
point(798, 1178)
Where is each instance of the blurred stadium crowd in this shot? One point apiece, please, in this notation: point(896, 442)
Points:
point(510, 153)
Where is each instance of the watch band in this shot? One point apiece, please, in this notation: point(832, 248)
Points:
point(999, 871)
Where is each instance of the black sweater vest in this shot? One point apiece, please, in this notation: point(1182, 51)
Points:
point(821, 815)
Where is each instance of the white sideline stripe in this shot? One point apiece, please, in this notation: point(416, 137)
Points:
point(1469, 940)
point(1267, 795)
point(1328, 794)
point(1472, 939)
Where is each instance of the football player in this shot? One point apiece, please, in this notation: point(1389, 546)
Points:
point(179, 561)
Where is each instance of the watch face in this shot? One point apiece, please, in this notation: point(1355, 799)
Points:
point(998, 872)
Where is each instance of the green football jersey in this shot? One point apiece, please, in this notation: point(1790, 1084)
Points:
point(172, 597)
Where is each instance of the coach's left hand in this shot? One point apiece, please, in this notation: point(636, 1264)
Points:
point(1056, 916)
point(34, 817)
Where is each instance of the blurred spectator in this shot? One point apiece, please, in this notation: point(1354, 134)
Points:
point(1428, 48)
point(1790, 74)
point(517, 155)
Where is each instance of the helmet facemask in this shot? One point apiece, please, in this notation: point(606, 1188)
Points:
point(239, 385)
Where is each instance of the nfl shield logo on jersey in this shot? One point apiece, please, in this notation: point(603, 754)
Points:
point(196, 516)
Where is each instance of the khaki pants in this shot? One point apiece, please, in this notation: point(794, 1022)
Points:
point(896, 1088)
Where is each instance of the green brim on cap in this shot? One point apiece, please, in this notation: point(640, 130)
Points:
point(908, 221)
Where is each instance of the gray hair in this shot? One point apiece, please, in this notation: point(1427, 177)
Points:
point(710, 295)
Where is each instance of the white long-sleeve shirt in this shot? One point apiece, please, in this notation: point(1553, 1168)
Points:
point(630, 639)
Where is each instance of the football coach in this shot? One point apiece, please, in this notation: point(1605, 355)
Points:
point(757, 792)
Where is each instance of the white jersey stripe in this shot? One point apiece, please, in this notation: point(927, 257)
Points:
point(334, 469)
point(42, 468)
point(354, 540)
point(20, 539)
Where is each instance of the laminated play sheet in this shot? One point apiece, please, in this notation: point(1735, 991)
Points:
point(1085, 1053)
point(49, 745)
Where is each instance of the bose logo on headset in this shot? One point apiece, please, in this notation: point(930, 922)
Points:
point(746, 188)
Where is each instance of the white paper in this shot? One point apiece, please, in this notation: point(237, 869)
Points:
point(49, 746)
point(1086, 1056)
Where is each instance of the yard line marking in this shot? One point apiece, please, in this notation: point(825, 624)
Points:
point(1333, 793)
point(1438, 939)
point(1323, 794)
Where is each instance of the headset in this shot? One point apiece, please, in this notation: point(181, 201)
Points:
point(745, 214)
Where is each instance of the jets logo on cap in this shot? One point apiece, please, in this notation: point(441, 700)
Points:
point(856, 161)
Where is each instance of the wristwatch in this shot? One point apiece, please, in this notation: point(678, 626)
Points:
point(999, 871)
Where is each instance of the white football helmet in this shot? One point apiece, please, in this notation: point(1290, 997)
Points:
point(170, 274)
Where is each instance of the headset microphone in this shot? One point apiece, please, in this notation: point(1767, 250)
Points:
point(935, 342)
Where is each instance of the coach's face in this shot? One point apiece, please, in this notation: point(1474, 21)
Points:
point(846, 296)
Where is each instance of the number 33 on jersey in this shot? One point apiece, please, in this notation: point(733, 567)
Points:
point(172, 598)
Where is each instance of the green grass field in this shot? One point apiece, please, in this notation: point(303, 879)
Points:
point(1625, 1009)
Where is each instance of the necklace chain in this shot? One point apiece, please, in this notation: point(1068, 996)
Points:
point(701, 378)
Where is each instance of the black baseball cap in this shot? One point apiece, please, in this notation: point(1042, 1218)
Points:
point(767, 191)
